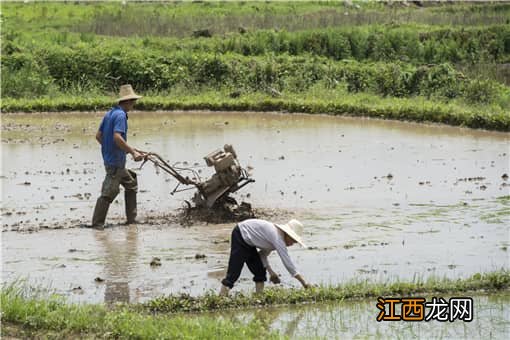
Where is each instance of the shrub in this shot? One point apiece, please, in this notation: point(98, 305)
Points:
point(480, 91)
point(357, 81)
point(392, 80)
point(22, 76)
point(441, 80)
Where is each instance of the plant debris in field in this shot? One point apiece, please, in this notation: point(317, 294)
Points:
point(155, 262)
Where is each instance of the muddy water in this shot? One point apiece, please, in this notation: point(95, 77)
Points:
point(491, 315)
point(379, 200)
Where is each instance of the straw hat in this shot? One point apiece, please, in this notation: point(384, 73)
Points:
point(294, 229)
point(126, 93)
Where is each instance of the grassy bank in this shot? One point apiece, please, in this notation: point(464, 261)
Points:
point(31, 316)
point(493, 281)
point(35, 314)
point(320, 100)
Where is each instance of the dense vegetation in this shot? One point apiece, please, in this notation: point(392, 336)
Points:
point(251, 54)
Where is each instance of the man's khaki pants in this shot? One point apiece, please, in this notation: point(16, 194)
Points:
point(110, 189)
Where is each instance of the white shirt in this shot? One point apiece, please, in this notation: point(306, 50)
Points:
point(267, 237)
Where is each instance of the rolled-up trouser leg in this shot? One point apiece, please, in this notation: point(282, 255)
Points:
point(130, 184)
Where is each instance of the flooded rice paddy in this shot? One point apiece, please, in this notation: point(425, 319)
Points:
point(357, 320)
point(380, 200)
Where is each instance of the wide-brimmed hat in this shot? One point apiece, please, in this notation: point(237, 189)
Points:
point(294, 229)
point(126, 93)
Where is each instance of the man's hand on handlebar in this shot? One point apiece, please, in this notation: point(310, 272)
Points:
point(137, 156)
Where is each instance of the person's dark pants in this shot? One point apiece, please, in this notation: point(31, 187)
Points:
point(110, 189)
point(241, 253)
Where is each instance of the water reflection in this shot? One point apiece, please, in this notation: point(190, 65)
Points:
point(357, 319)
point(120, 250)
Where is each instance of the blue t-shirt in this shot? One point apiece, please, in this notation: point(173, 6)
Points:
point(113, 121)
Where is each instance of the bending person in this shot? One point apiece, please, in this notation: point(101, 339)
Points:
point(251, 234)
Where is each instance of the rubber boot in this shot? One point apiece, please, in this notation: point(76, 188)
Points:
point(100, 212)
point(130, 200)
point(259, 287)
point(224, 290)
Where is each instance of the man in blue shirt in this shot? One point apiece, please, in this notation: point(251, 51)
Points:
point(112, 135)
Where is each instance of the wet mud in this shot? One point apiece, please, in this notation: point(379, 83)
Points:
point(185, 216)
point(379, 200)
point(227, 210)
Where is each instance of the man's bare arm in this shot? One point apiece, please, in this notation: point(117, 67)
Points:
point(302, 280)
point(121, 143)
point(99, 137)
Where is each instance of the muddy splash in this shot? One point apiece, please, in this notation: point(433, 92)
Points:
point(225, 211)
point(222, 212)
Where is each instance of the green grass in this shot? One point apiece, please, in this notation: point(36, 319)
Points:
point(501, 214)
point(440, 64)
point(333, 102)
point(31, 313)
point(493, 281)
point(181, 18)
point(34, 315)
